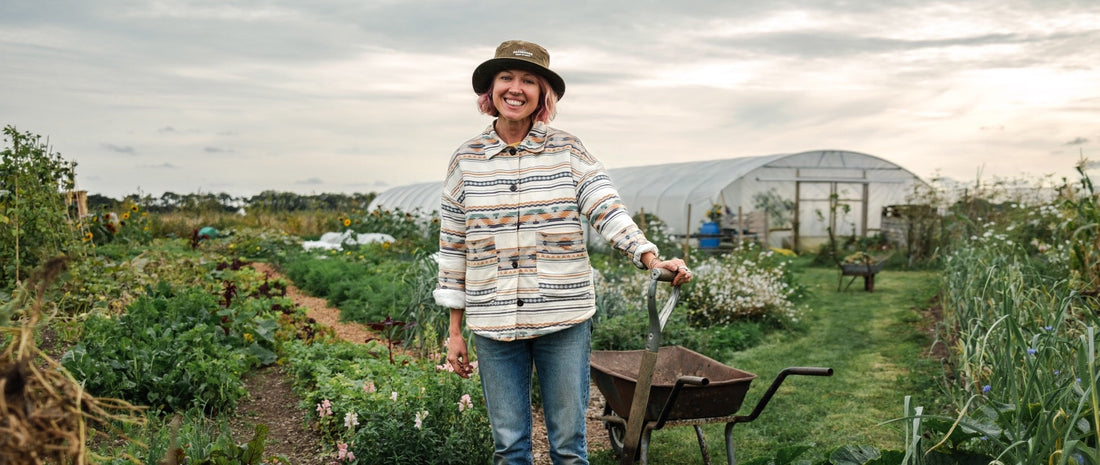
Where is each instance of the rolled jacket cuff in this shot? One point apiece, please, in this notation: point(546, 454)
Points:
point(641, 250)
point(449, 298)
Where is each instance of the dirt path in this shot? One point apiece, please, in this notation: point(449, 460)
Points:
point(272, 402)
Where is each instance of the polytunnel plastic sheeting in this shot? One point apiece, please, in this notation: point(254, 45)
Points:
point(421, 197)
point(667, 190)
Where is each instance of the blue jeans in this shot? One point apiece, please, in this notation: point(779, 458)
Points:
point(561, 360)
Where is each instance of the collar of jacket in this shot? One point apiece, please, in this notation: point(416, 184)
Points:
point(534, 142)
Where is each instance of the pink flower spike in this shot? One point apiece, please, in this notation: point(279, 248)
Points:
point(465, 403)
point(324, 408)
point(351, 456)
point(369, 387)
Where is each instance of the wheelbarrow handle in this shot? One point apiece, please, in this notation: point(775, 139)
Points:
point(763, 402)
point(661, 274)
point(692, 380)
point(809, 371)
point(659, 317)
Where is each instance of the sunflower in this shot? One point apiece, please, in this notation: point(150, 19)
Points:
point(126, 215)
point(347, 222)
point(87, 237)
point(134, 208)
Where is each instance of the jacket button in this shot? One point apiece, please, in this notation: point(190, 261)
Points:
point(512, 150)
point(513, 188)
point(515, 264)
point(519, 302)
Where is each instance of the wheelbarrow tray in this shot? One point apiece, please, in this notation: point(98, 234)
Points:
point(860, 269)
point(616, 375)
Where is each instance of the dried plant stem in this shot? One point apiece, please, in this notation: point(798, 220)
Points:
point(44, 411)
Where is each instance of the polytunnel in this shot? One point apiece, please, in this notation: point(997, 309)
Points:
point(789, 200)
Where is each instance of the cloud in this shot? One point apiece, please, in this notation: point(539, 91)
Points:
point(1078, 141)
point(216, 150)
point(314, 181)
point(120, 148)
point(162, 166)
point(166, 129)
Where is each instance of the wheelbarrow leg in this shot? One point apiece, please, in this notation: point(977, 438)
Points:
point(644, 453)
point(702, 444)
point(729, 443)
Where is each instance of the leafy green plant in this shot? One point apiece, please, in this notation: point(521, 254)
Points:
point(185, 437)
point(372, 411)
point(173, 349)
point(1023, 376)
point(34, 219)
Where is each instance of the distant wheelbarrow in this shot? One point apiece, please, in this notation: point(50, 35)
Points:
point(648, 389)
point(867, 269)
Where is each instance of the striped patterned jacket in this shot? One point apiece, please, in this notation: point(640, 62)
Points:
point(512, 247)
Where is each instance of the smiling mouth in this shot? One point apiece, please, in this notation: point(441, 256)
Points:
point(517, 103)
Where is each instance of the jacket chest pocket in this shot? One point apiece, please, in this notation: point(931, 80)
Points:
point(481, 270)
point(562, 261)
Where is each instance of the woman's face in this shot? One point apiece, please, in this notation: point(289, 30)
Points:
point(516, 94)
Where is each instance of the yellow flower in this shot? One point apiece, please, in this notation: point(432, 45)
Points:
point(247, 337)
point(134, 208)
point(385, 245)
point(126, 216)
point(87, 236)
point(347, 222)
point(784, 252)
point(232, 245)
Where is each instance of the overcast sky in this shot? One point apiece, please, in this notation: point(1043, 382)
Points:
point(360, 95)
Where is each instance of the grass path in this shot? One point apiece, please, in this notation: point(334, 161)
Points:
point(876, 344)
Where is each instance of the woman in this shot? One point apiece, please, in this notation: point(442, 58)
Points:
point(513, 260)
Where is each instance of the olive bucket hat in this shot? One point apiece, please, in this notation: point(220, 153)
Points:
point(517, 54)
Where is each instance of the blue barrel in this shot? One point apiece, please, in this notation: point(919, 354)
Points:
point(709, 229)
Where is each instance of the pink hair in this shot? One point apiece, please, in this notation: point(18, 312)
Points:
point(545, 112)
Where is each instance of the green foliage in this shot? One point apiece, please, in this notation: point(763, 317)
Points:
point(413, 230)
point(366, 290)
point(34, 218)
point(1024, 339)
point(250, 453)
point(627, 332)
point(1082, 231)
point(187, 437)
point(405, 413)
point(173, 349)
point(780, 210)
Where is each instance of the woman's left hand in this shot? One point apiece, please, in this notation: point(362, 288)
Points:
point(678, 266)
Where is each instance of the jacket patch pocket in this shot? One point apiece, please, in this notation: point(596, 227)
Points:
point(481, 270)
point(562, 261)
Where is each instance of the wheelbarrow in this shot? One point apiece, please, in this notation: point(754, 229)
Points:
point(646, 390)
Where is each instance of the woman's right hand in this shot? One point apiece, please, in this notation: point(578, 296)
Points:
point(458, 357)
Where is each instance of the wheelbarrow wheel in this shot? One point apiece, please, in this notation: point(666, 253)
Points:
point(616, 432)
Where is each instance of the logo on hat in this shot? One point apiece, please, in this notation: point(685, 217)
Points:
point(523, 53)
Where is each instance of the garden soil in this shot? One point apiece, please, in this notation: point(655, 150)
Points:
point(272, 402)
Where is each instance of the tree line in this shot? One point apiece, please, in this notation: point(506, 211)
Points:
point(266, 201)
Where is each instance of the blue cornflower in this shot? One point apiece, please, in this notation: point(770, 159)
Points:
point(987, 388)
point(1031, 351)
